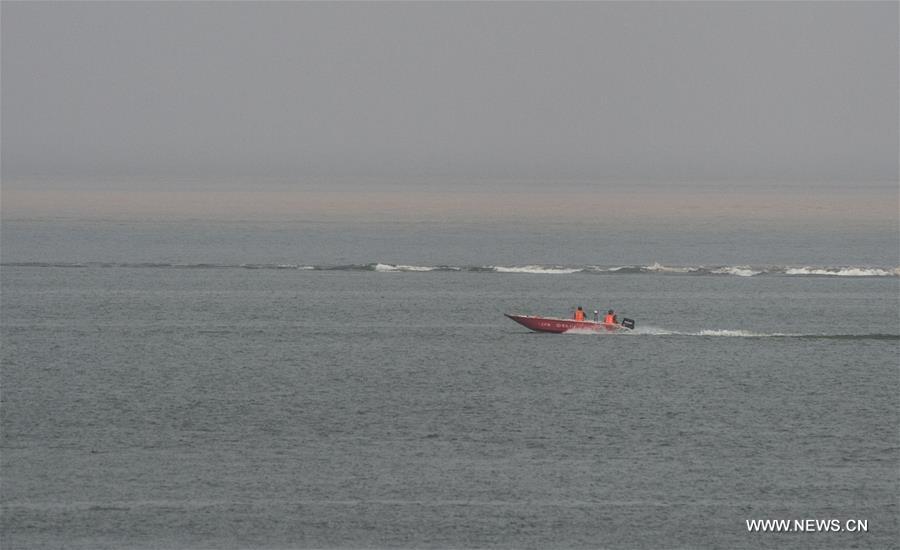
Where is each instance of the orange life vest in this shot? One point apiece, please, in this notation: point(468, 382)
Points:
point(579, 315)
point(610, 319)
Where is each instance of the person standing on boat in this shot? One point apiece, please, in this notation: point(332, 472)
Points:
point(579, 314)
point(610, 318)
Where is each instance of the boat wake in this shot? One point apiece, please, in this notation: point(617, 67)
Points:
point(739, 333)
point(734, 333)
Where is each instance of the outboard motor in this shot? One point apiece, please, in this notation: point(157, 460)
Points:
point(628, 323)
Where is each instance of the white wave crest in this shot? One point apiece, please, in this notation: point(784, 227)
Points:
point(656, 267)
point(844, 271)
point(556, 270)
point(415, 268)
point(294, 266)
point(739, 270)
point(389, 268)
point(603, 269)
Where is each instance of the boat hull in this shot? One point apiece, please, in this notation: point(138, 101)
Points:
point(556, 325)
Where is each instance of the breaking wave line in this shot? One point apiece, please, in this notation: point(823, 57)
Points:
point(537, 269)
point(528, 269)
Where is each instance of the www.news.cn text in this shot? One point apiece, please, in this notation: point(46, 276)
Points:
point(807, 526)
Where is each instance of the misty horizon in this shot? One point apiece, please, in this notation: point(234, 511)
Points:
point(872, 205)
point(194, 96)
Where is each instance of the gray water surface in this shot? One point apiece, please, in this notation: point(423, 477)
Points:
point(227, 407)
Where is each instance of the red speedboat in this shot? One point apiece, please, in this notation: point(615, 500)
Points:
point(557, 325)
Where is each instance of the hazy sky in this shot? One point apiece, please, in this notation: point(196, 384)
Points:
point(218, 93)
point(499, 90)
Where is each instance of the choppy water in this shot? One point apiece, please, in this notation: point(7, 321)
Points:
point(367, 403)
